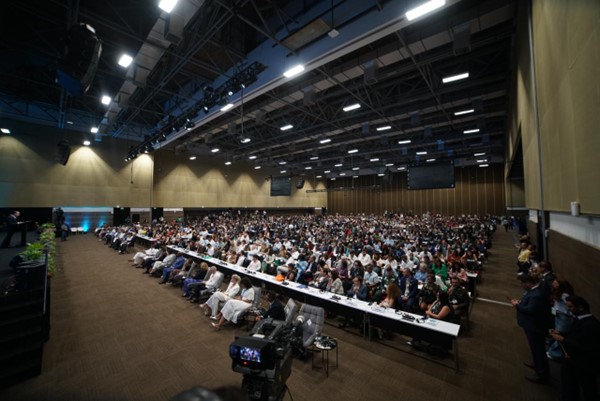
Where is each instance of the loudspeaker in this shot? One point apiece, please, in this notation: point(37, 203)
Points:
point(174, 28)
point(371, 68)
point(63, 151)
point(300, 183)
point(80, 62)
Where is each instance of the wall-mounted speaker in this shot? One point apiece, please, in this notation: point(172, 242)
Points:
point(63, 151)
point(80, 62)
point(300, 183)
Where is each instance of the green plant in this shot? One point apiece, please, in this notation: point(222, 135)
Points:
point(47, 242)
point(33, 251)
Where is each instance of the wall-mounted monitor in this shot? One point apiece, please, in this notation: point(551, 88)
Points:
point(432, 176)
point(281, 186)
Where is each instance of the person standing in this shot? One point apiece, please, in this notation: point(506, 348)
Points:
point(11, 227)
point(533, 315)
point(580, 368)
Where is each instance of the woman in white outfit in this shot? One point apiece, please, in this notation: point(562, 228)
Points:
point(235, 306)
point(211, 307)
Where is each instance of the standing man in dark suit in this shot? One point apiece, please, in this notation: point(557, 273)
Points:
point(275, 311)
point(580, 367)
point(533, 315)
point(11, 227)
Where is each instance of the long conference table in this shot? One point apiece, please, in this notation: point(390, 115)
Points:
point(438, 332)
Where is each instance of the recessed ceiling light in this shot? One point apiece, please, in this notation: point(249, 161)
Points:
point(401, 168)
point(227, 107)
point(376, 159)
point(214, 150)
point(125, 60)
point(421, 153)
point(228, 163)
point(389, 164)
point(192, 157)
point(283, 171)
point(380, 175)
point(457, 77)
point(256, 167)
point(286, 127)
point(404, 142)
point(106, 100)
point(483, 165)
point(460, 113)
point(332, 178)
point(430, 160)
point(5, 130)
point(167, 5)
point(292, 72)
point(479, 154)
point(424, 8)
point(471, 131)
point(353, 151)
point(384, 128)
point(86, 143)
point(352, 107)
point(94, 130)
point(314, 158)
point(308, 168)
point(355, 168)
point(282, 162)
point(326, 140)
point(327, 171)
point(342, 174)
point(338, 165)
point(252, 157)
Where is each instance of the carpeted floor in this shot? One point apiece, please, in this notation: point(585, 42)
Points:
point(118, 335)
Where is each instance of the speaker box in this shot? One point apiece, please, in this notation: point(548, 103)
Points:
point(63, 151)
point(300, 183)
point(174, 28)
point(78, 67)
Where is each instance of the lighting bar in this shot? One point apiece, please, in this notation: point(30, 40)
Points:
point(308, 168)
point(125, 60)
point(286, 127)
point(327, 171)
point(453, 78)
point(319, 176)
point(338, 165)
point(5, 130)
point(482, 161)
point(483, 165)
point(389, 164)
point(167, 5)
point(292, 72)
point(228, 163)
point(384, 128)
point(471, 131)
point(283, 171)
point(376, 159)
point(227, 107)
point(93, 130)
point(479, 154)
point(314, 158)
point(86, 143)
point(353, 151)
point(214, 150)
point(401, 168)
point(106, 100)
point(252, 157)
point(355, 168)
point(192, 157)
point(460, 113)
point(430, 160)
point(282, 162)
point(424, 8)
point(380, 175)
point(256, 167)
point(404, 142)
point(352, 107)
point(342, 174)
point(421, 153)
point(326, 140)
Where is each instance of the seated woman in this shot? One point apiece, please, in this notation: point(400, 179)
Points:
point(391, 299)
point(441, 308)
point(335, 284)
point(211, 307)
point(235, 306)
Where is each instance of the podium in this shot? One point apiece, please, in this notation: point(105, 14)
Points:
point(22, 228)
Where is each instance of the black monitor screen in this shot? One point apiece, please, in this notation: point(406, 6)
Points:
point(281, 186)
point(431, 177)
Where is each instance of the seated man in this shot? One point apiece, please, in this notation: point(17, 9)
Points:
point(358, 289)
point(428, 293)
point(459, 299)
point(276, 310)
point(202, 288)
point(157, 266)
point(409, 289)
point(177, 265)
point(149, 253)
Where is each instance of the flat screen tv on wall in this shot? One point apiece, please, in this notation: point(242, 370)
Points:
point(281, 186)
point(432, 176)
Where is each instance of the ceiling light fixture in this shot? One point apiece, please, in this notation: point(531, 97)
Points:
point(93, 130)
point(245, 140)
point(106, 100)
point(430, 160)
point(380, 175)
point(308, 168)
point(5, 130)
point(86, 143)
point(482, 161)
point(483, 165)
point(227, 107)
point(421, 153)
point(351, 151)
point(471, 131)
point(404, 142)
point(214, 150)
point(384, 128)
point(167, 5)
point(286, 127)
point(338, 165)
point(375, 159)
point(460, 113)
point(342, 174)
point(326, 171)
point(252, 157)
point(292, 72)
point(457, 77)
point(282, 162)
point(283, 171)
point(424, 8)
point(355, 168)
point(125, 60)
point(228, 163)
point(192, 157)
point(319, 176)
point(314, 158)
point(389, 164)
point(401, 168)
point(479, 154)
point(326, 140)
point(256, 167)
point(352, 107)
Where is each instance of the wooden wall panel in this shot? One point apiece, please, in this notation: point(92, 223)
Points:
point(477, 191)
point(577, 262)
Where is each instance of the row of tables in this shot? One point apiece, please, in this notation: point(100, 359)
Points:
point(438, 332)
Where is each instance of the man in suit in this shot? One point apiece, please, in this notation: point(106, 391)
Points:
point(11, 227)
point(533, 315)
point(409, 289)
point(275, 311)
point(580, 367)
